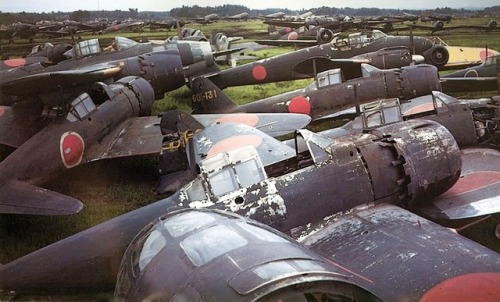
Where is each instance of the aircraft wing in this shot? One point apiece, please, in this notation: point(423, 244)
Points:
point(273, 124)
point(14, 63)
point(464, 84)
point(384, 243)
point(463, 57)
point(53, 81)
point(136, 136)
point(293, 43)
point(18, 124)
point(22, 198)
point(434, 29)
point(476, 193)
point(142, 135)
point(284, 23)
point(226, 136)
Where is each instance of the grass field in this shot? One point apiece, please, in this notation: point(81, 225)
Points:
point(112, 187)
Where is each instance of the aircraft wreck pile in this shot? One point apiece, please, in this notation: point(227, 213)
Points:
point(344, 213)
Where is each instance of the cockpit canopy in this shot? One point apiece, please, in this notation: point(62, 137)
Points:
point(491, 60)
point(330, 77)
point(91, 47)
point(209, 255)
point(227, 172)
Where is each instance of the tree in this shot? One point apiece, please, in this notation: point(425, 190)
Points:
point(80, 15)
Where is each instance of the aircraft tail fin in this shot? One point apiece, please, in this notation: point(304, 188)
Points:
point(18, 197)
point(177, 128)
point(178, 121)
point(209, 98)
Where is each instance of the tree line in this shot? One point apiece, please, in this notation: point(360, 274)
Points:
point(223, 10)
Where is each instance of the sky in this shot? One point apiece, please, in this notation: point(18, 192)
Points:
point(166, 5)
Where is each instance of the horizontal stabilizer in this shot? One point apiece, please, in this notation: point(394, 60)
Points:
point(22, 198)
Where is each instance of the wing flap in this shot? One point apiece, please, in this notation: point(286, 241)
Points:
point(22, 198)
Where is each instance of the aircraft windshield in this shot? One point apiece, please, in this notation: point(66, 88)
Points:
point(377, 34)
point(441, 99)
point(330, 77)
point(381, 113)
point(491, 60)
point(317, 145)
point(39, 48)
point(87, 48)
point(124, 43)
point(80, 108)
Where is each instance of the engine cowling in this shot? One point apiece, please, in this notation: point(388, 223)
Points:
point(324, 36)
point(191, 32)
point(196, 56)
point(438, 25)
point(162, 69)
point(437, 55)
point(492, 24)
point(220, 41)
point(138, 90)
point(390, 57)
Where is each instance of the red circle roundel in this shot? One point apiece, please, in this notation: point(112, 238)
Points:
point(299, 104)
point(484, 54)
point(14, 62)
point(259, 72)
point(468, 287)
point(72, 147)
